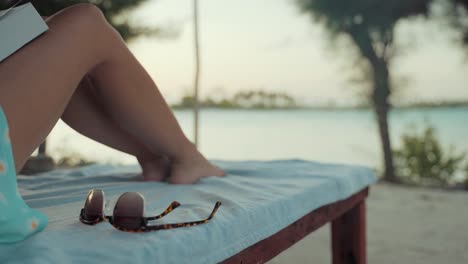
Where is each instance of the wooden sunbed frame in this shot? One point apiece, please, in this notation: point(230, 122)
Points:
point(348, 231)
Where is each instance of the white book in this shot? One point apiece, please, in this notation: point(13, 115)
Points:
point(19, 26)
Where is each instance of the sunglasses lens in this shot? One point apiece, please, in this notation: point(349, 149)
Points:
point(93, 210)
point(128, 211)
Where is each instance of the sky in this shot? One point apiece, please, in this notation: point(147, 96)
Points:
point(270, 45)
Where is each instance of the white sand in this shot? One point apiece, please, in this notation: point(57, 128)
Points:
point(404, 225)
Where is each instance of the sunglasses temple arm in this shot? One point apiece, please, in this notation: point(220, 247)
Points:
point(215, 209)
point(186, 224)
point(169, 209)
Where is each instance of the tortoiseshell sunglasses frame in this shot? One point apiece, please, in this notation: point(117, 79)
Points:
point(144, 227)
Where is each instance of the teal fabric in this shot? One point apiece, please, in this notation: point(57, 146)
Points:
point(259, 199)
point(17, 220)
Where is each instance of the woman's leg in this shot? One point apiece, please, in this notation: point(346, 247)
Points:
point(136, 105)
point(37, 83)
point(84, 114)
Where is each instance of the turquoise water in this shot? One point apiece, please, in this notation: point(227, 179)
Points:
point(345, 136)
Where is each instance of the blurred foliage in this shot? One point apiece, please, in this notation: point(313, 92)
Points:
point(457, 16)
point(117, 13)
point(439, 103)
point(249, 99)
point(66, 157)
point(462, 6)
point(73, 160)
point(363, 18)
point(422, 160)
point(466, 176)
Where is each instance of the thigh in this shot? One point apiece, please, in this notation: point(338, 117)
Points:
point(37, 81)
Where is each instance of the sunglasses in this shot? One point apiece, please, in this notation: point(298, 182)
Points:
point(128, 213)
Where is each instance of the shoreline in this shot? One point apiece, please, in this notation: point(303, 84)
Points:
point(328, 109)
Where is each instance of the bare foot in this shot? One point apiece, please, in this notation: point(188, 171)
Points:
point(191, 168)
point(156, 169)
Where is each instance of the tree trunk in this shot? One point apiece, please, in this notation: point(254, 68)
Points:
point(382, 120)
point(196, 104)
point(380, 96)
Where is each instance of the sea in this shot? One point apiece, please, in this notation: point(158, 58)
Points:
point(332, 136)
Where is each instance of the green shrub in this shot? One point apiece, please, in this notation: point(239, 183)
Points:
point(73, 161)
point(422, 160)
point(466, 176)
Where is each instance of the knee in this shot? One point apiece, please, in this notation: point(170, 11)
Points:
point(89, 18)
point(87, 12)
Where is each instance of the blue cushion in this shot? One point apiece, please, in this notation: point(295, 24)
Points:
point(259, 199)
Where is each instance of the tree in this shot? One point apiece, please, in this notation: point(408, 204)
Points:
point(112, 9)
point(196, 81)
point(370, 25)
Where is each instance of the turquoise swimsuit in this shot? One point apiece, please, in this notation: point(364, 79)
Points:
point(17, 220)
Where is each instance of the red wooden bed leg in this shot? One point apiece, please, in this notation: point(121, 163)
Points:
point(349, 236)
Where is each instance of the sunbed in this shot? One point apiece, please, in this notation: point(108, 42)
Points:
point(266, 207)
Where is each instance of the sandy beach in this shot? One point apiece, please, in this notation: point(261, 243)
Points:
point(404, 225)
